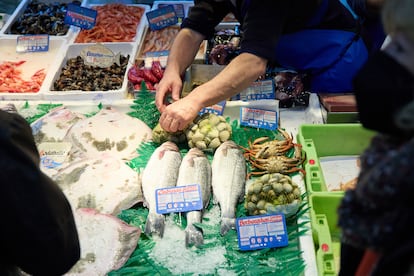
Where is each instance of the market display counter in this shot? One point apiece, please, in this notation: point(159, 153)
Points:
point(317, 234)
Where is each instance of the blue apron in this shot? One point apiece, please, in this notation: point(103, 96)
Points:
point(330, 57)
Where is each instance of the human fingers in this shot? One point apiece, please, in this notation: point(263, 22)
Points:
point(170, 123)
point(160, 96)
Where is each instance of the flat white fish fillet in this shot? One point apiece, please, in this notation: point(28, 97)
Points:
point(111, 131)
point(161, 171)
point(106, 243)
point(105, 183)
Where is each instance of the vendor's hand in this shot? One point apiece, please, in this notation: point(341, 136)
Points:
point(178, 115)
point(169, 84)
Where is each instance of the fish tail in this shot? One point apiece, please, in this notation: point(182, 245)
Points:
point(193, 236)
point(155, 224)
point(226, 225)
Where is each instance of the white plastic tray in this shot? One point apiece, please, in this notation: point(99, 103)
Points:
point(34, 61)
point(72, 51)
point(21, 8)
point(339, 170)
point(140, 27)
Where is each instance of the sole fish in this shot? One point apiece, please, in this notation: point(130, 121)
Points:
point(106, 243)
point(161, 171)
point(228, 182)
point(106, 184)
point(54, 126)
point(109, 131)
point(195, 169)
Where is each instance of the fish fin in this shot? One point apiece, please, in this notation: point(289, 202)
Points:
point(226, 225)
point(193, 236)
point(155, 224)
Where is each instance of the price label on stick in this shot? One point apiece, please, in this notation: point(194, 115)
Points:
point(258, 118)
point(32, 43)
point(178, 199)
point(80, 16)
point(162, 17)
point(257, 232)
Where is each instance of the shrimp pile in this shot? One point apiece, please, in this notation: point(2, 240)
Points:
point(159, 40)
point(11, 80)
point(114, 23)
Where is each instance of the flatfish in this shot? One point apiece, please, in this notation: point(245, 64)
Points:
point(54, 126)
point(104, 183)
point(109, 130)
point(228, 182)
point(195, 169)
point(161, 171)
point(106, 242)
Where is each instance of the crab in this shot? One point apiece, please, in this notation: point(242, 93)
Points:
point(262, 148)
point(279, 164)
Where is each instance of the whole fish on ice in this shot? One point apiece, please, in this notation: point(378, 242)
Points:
point(195, 169)
point(161, 171)
point(106, 242)
point(105, 183)
point(109, 131)
point(54, 126)
point(228, 182)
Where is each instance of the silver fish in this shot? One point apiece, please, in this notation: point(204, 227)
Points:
point(195, 169)
point(228, 182)
point(161, 171)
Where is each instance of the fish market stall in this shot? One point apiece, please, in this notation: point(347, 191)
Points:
point(219, 254)
point(95, 124)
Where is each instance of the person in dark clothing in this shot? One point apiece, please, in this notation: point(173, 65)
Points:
point(274, 33)
point(376, 217)
point(38, 234)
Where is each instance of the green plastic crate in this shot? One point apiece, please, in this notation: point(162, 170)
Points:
point(325, 232)
point(329, 140)
point(324, 141)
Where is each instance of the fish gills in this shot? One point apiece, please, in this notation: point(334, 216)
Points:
point(195, 169)
point(228, 182)
point(161, 171)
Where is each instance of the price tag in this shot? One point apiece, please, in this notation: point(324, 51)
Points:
point(53, 154)
point(259, 90)
point(32, 43)
point(258, 118)
point(259, 232)
point(80, 16)
point(178, 199)
point(216, 109)
point(161, 56)
point(178, 8)
point(162, 17)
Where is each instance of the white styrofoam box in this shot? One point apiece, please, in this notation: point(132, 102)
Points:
point(185, 4)
point(20, 11)
point(163, 41)
point(74, 50)
point(34, 61)
point(140, 27)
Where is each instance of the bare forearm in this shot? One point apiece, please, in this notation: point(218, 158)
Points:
point(235, 77)
point(183, 51)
